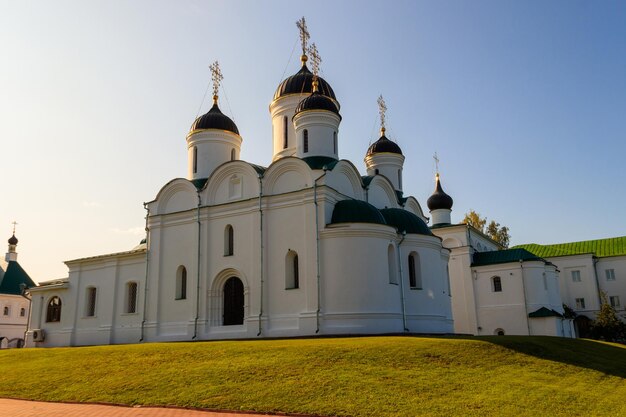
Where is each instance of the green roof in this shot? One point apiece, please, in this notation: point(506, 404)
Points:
point(503, 257)
point(13, 277)
point(545, 312)
point(320, 162)
point(405, 221)
point(356, 211)
point(614, 246)
point(199, 183)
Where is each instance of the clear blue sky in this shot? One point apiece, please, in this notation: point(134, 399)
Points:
point(524, 102)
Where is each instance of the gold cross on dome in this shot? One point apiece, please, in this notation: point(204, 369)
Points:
point(382, 110)
point(316, 60)
point(304, 34)
point(14, 224)
point(216, 77)
point(436, 158)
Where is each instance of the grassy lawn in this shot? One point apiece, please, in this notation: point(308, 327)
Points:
point(370, 376)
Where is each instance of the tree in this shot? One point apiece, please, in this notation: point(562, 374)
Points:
point(607, 326)
point(496, 232)
point(473, 219)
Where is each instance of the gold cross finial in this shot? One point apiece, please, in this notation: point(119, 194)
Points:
point(216, 77)
point(316, 61)
point(436, 158)
point(382, 110)
point(304, 34)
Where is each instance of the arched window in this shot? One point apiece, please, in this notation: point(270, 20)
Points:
point(305, 143)
point(499, 332)
point(391, 260)
point(399, 179)
point(233, 302)
point(22, 312)
point(6, 310)
point(335, 143)
point(415, 273)
point(285, 134)
point(131, 297)
point(292, 270)
point(229, 241)
point(181, 283)
point(90, 305)
point(496, 284)
point(232, 154)
point(53, 313)
point(195, 159)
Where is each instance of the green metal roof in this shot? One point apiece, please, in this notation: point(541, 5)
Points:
point(13, 277)
point(545, 312)
point(320, 162)
point(405, 221)
point(504, 257)
point(614, 246)
point(367, 179)
point(199, 183)
point(356, 211)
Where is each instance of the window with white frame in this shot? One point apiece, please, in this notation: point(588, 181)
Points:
point(576, 276)
point(22, 312)
point(6, 310)
point(415, 273)
point(580, 303)
point(496, 284)
point(131, 297)
point(614, 300)
point(181, 283)
point(292, 270)
point(610, 274)
point(90, 305)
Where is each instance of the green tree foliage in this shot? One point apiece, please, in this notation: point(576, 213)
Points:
point(607, 326)
point(498, 233)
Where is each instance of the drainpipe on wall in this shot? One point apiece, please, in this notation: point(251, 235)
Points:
point(402, 301)
point(521, 265)
point(23, 289)
point(145, 285)
point(317, 249)
point(262, 250)
point(195, 320)
point(595, 273)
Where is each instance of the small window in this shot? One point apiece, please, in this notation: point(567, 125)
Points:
point(181, 283)
point(376, 172)
point(499, 332)
point(448, 278)
point(399, 179)
point(415, 276)
point(22, 312)
point(6, 311)
point(614, 300)
point(292, 270)
point(610, 274)
point(90, 306)
point(232, 154)
point(131, 297)
point(229, 241)
point(335, 143)
point(305, 145)
point(285, 134)
point(391, 260)
point(575, 276)
point(496, 284)
point(580, 303)
point(53, 312)
point(195, 159)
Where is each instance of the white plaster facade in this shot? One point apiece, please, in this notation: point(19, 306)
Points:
point(264, 252)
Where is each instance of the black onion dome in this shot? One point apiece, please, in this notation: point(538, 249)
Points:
point(317, 101)
point(384, 145)
point(439, 199)
point(302, 83)
point(13, 240)
point(214, 119)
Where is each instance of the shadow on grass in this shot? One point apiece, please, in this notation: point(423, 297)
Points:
point(603, 357)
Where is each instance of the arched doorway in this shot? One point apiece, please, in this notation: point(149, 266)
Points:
point(233, 302)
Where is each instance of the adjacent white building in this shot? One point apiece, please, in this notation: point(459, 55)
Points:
point(14, 305)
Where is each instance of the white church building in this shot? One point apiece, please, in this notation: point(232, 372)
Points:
point(306, 246)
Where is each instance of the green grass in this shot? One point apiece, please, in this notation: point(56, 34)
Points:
point(370, 376)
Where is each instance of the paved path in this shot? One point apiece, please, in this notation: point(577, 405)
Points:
point(20, 408)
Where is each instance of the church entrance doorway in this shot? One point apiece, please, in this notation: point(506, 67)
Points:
point(233, 302)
